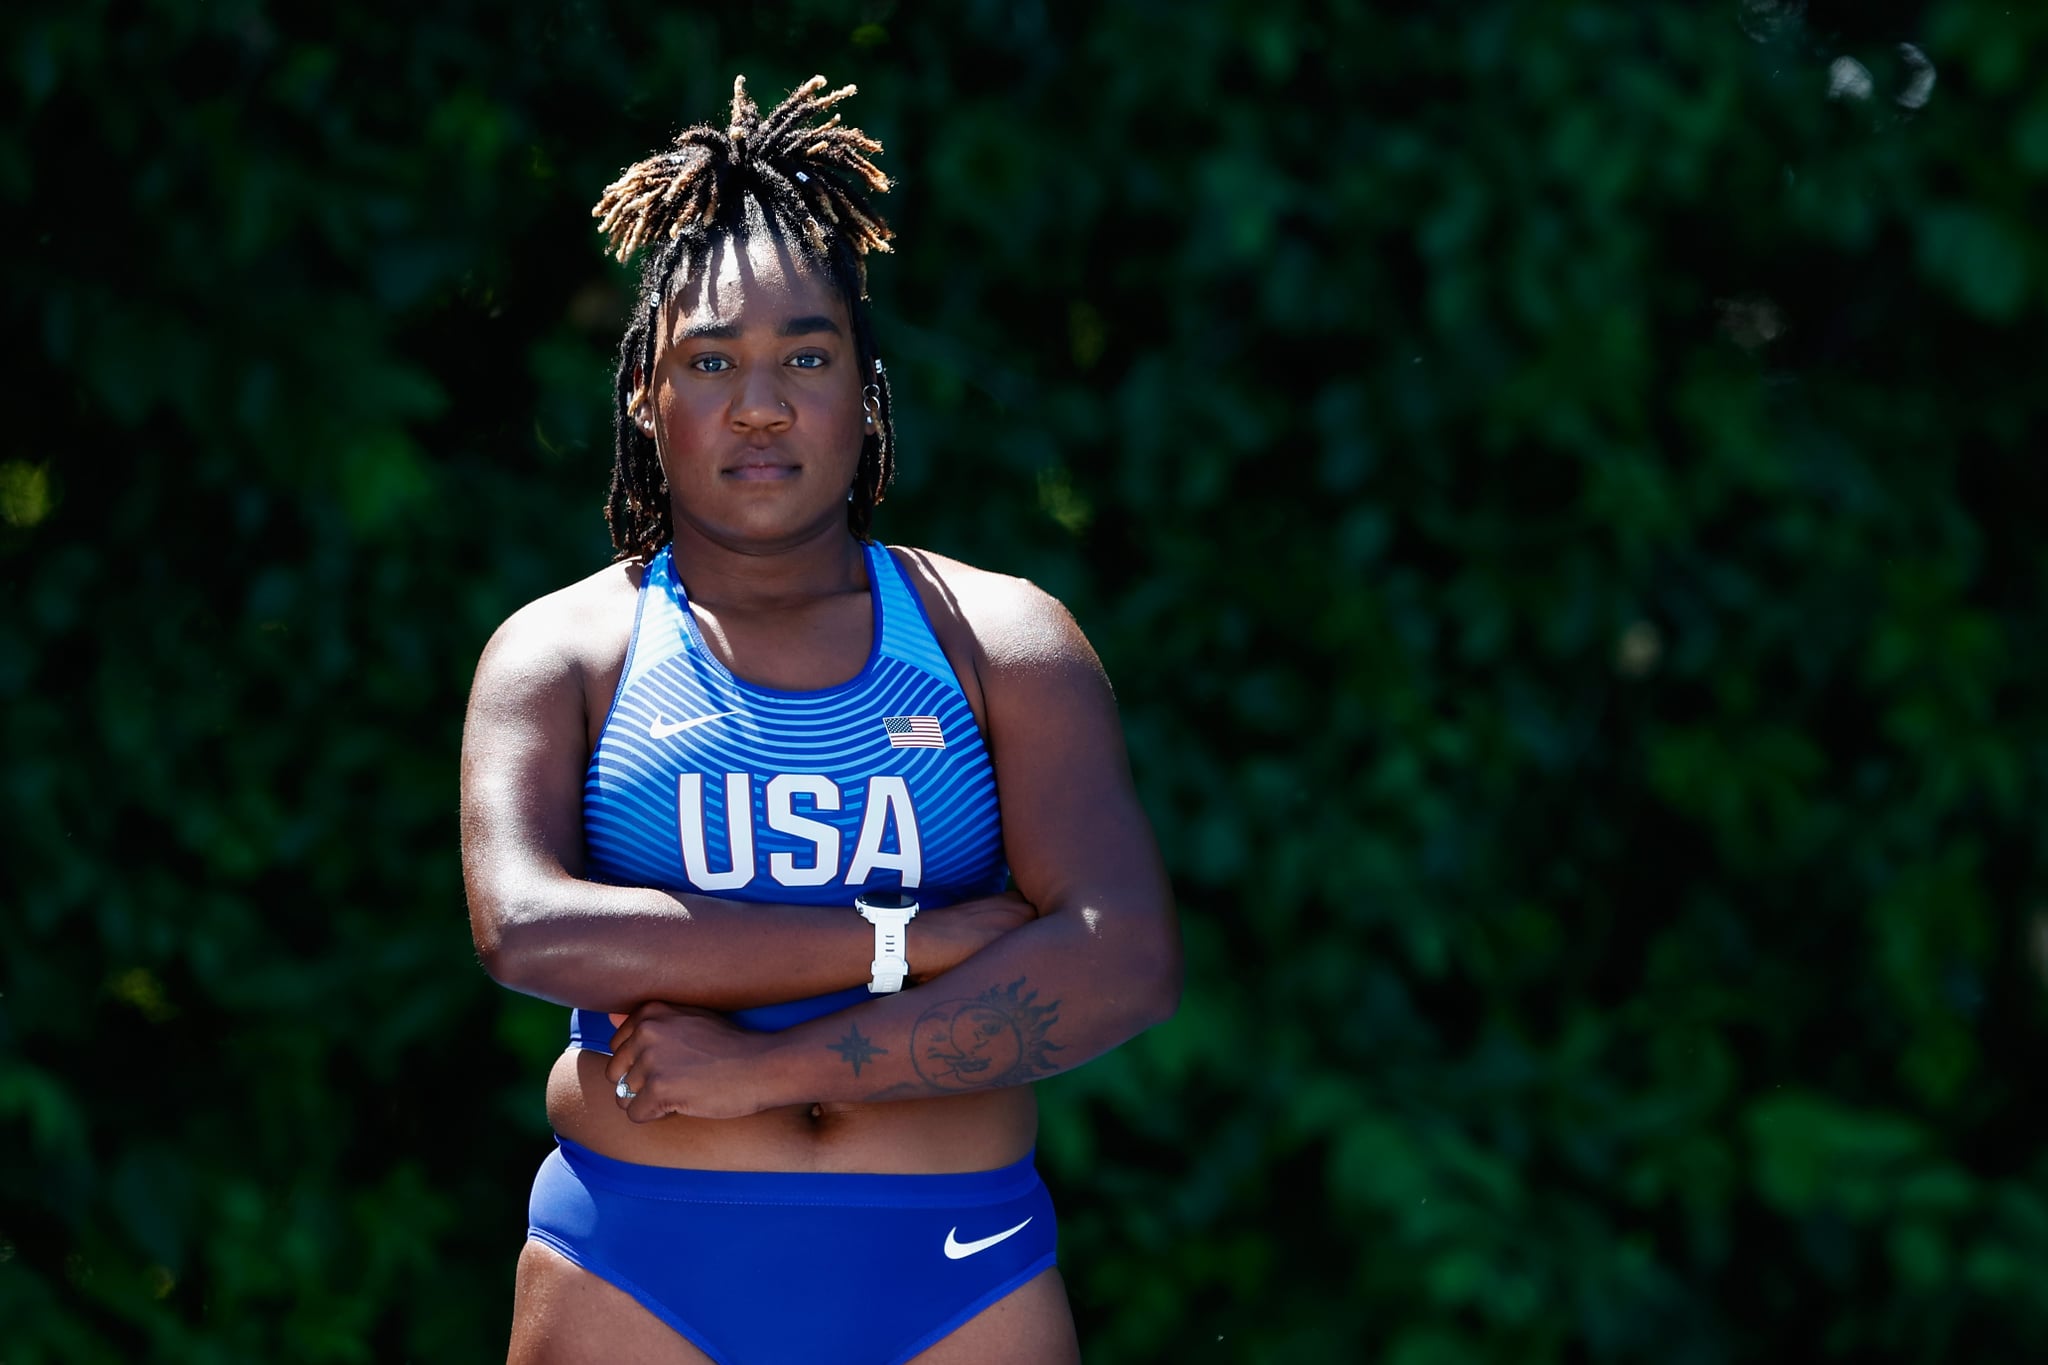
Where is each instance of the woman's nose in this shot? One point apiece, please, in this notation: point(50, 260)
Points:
point(760, 406)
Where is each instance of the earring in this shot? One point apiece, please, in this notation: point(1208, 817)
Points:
point(871, 401)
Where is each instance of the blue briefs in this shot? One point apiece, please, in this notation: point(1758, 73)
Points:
point(763, 1267)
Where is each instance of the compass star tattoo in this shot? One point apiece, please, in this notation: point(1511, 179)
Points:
point(855, 1049)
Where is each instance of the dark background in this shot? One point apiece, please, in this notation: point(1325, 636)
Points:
point(1557, 491)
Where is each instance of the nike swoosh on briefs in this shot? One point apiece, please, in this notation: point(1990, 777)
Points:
point(662, 729)
point(957, 1250)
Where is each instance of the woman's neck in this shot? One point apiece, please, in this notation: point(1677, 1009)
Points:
point(721, 573)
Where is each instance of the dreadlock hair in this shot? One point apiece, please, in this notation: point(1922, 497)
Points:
point(810, 183)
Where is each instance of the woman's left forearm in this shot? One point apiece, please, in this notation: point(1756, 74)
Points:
point(1040, 1000)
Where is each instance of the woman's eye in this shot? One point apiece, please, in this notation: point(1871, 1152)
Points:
point(711, 364)
point(807, 362)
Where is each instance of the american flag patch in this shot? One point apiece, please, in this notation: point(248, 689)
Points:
point(914, 732)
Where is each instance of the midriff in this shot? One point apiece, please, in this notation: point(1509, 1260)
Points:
point(941, 1135)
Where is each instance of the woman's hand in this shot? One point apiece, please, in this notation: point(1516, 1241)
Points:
point(678, 1059)
point(939, 940)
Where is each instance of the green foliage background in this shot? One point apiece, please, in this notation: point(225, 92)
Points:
point(1557, 492)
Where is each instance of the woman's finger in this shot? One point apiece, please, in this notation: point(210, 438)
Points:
point(628, 1087)
point(651, 1101)
point(620, 1067)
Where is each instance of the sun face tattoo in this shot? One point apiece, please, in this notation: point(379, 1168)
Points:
point(997, 1038)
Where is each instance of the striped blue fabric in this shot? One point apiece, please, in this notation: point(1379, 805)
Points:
point(702, 781)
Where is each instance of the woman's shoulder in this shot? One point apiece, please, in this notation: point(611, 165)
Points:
point(1006, 622)
point(583, 627)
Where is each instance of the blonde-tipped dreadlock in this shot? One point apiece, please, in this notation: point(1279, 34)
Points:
point(808, 181)
point(817, 166)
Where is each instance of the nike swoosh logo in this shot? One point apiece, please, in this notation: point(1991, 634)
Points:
point(662, 729)
point(959, 1250)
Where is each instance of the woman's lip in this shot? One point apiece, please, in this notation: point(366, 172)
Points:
point(763, 469)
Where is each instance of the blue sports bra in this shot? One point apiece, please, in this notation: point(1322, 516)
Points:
point(702, 781)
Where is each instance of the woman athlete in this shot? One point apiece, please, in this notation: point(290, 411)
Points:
point(680, 773)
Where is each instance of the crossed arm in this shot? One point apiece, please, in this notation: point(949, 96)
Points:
point(1006, 996)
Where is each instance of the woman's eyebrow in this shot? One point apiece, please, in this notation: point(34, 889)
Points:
point(727, 331)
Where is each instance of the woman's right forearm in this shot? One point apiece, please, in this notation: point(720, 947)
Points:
point(611, 948)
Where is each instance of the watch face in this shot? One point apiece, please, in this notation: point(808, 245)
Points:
point(886, 900)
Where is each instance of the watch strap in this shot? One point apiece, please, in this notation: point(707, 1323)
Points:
point(890, 967)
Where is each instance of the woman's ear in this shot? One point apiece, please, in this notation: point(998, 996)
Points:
point(641, 404)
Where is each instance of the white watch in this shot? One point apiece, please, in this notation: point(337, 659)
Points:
point(888, 911)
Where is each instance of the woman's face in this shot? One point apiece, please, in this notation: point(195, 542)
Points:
point(755, 405)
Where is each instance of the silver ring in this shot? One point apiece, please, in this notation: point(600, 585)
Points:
point(622, 1092)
